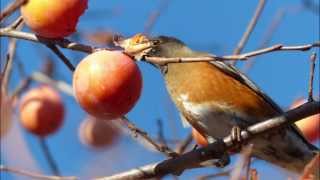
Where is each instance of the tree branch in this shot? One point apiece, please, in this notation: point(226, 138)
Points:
point(245, 56)
point(64, 43)
point(313, 58)
point(216, 149)
point(11, 8)
point(161, 148)
point(250, 28)
point(34, 175)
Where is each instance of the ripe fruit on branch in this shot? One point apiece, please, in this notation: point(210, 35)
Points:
point(53, 18)
point(41, 111)
point(310, 126)
point(98, 133)
point(107, 84)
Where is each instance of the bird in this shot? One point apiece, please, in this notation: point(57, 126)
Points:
point(214, 97)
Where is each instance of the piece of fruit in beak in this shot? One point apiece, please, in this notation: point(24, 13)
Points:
point(136, 46)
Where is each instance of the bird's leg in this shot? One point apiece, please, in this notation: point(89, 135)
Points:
point(224, 160)
point(236, 138)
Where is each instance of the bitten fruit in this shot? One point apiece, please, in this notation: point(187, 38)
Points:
point(107, 84)
point(41, 111)
point(53, 18)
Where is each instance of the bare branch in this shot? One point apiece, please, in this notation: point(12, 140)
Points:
point(311, 78)
point(250, 28)
point(11, 8)
point(152, 19)
point(242, 164)
point(161, 148)
point(245, 56)
point(64, 43)
point(181, 147)
point(215, 150)
point(277, 19)
point(60, 85)
point(64, 59)
point(46, 151)
point(16, 23)
point(34, 175)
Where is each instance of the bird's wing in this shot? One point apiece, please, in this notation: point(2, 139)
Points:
point(232, 71)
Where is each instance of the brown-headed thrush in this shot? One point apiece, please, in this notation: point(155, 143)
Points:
point(213, 97)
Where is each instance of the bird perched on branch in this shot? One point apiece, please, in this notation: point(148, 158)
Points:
point(213, 97)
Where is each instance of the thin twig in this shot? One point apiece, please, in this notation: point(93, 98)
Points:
point(249, 28)
point(161, 137)
point(313, 58)
point(64, 43)
point(245, 37)
point(52, 164)
point(23, 85)
point(245, 56)
point(181, 147)
point(34, 175)
point(64, 59)
point(8, 65)
point(242, 164)
point(276, 21)
point(11, 8)
point(60, 85)
point(16, 23)
point(152, 19)
point(161, 148)
point(219, 174)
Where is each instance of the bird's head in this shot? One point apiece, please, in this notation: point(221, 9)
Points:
point(140, 46)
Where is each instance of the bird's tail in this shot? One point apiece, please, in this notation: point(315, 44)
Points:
point(286, 149)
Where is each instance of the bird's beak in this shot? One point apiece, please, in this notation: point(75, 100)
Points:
point(137, 46)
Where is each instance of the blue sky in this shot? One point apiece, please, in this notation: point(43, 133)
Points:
point(213, 26)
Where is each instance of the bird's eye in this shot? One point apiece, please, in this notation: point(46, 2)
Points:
point(155, 42)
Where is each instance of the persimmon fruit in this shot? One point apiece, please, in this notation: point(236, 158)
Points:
point(107, 84)
point(199, 139)
point(98, 133)
point(53, 18)
point(41, 110)
point(310, 126)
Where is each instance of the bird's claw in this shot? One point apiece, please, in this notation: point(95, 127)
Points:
point(223, 161)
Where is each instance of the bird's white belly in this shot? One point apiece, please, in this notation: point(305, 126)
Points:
point(217, 120)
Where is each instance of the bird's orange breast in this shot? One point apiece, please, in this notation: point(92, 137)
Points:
point(202, 82)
